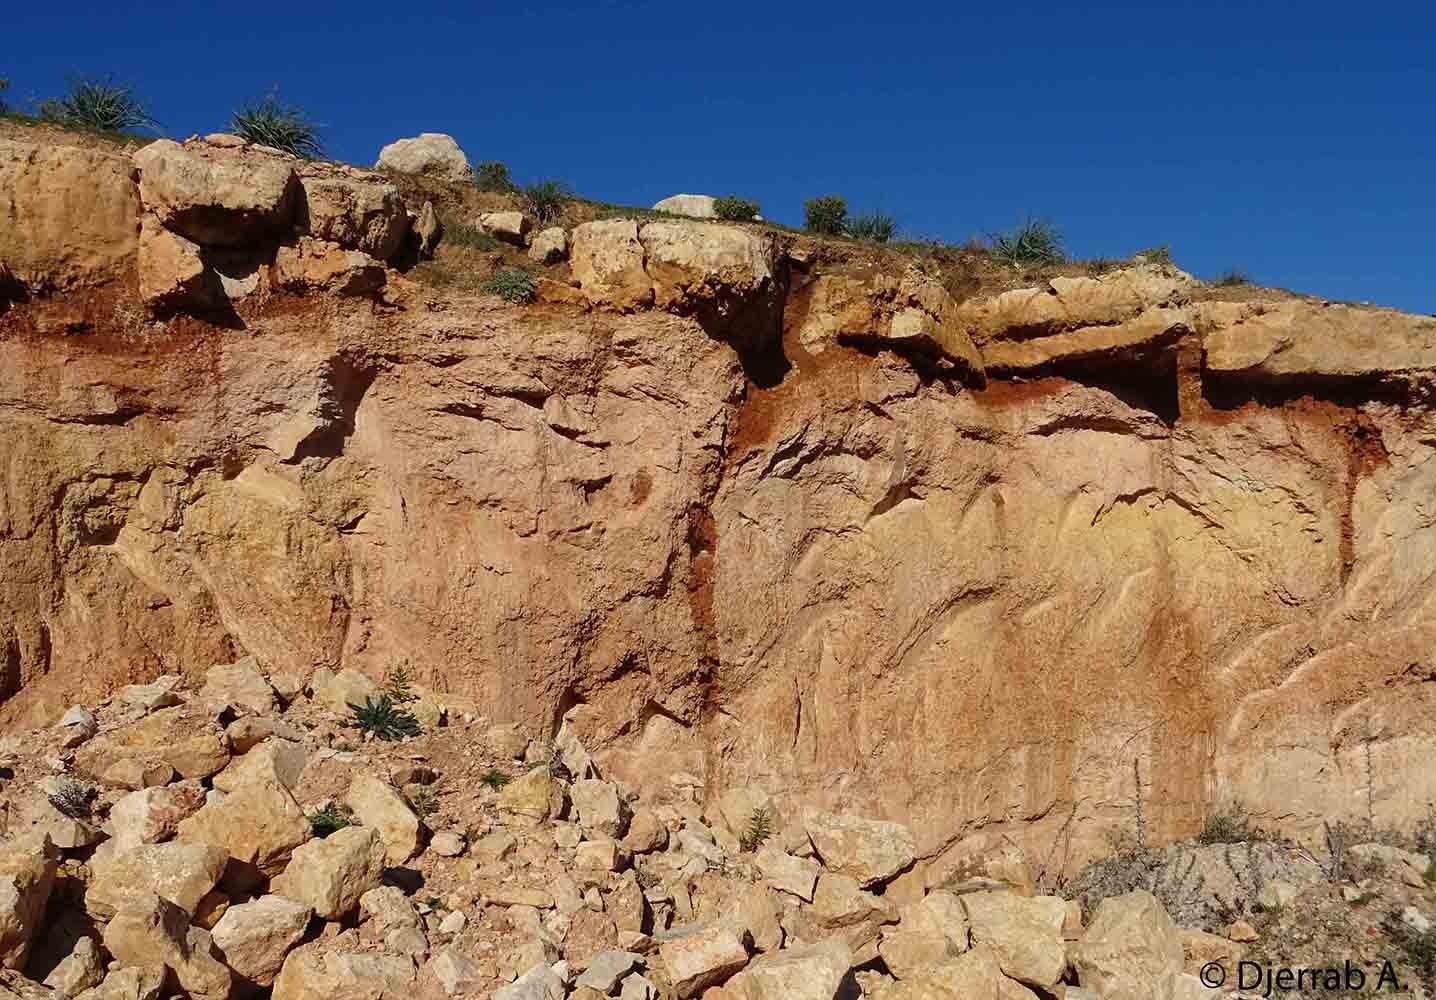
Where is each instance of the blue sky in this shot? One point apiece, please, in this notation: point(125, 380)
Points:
point(1294, 140)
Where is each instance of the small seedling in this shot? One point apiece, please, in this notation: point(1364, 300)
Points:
point(383, 718)
point(760, 828)
point(425, 802)
point(494, 778)
point(396, 687)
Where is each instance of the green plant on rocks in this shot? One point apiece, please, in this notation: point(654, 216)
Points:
point(1035, 241)
point(329, 819)
point(100, 105)
point(731, 208)
point(872, 227)
point(386, 720)
point(493, 176)
point(512, 284)
point(546, 199)
point(760, 828)
point(826, 215)
point(397, 686)
point(494, 778)
point(270, 123)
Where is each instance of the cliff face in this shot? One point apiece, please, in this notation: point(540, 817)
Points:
point(986, 567)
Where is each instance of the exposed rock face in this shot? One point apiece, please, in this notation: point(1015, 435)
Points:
point(697, 206)
point(746, 529)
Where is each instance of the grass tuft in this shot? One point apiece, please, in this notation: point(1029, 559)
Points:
point(512, 284)
point(270, 123)
point(493, 176)
point(494, 778)
point(99, 105)
point(1035, 241)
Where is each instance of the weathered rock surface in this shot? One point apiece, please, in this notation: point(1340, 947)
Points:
point(216, 196)
point(254, 938)
point(71, 215)
point(149, 930)
point(180, 873)
point(697, 206)
point(871, 851)
point(1322, 340)
point(1131, 951)
point(426, 153)
point(258, 824)
point(354, 209)
point(330, 875)
point(310, 973)
point(375, 804)
point(27, 875)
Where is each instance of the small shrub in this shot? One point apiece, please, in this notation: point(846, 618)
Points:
point(74, 799)
point(512, 284)
point(270, 123)
point(1232, 276)
point(328, 820)
point(872, 227)
point(826, 215)
point(546, 199)
point(731, 208)
point(100, 105)
point(493, 176)
point(396, 686)
point(494, 778)
point(383, 718)
point(1035, 241)
point(1231, 825)
point(760, 828)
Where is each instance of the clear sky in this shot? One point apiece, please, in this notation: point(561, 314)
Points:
point(1294, 140)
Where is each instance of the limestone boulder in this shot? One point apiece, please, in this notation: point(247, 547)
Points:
point(258, 824)
point(534, 796)
point(330, 875)
point(183, 737)
point(701, 957)
point(1298, 338)
point(1408, 866)
point(695, 206)
point(152, 815)
point(339, 692)
point(249, 732)
point(433, 153)
point(810, 972)
point(871, 851)
point(239, 685)
point(136, 774)
point(376, 804)
point(312, 265)
point(173, 272)
point(149, 930)
point(908, 953)
point(72, 215)
point(540, 982)
point(549, 246)
point(796, 876)
point(159, 693)
point(217, 195)
point(508, 227)
point(311, 973)
point(599, 806)
point(354, 209)
point(607, 262)
point(275, 761)
point(1025, 934)
point(27, 875)
point(82, 969)
point(839, 901)
point(938, 914)
point(1131, 950)
point(253, 938)
point(134, 982)
point(181, 873)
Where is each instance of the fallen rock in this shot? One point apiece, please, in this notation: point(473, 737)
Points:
point(938, 914)
point(535, 796)
point(607, 969)
point(549, 246)
point(152, 815)
point(907, 953)
point(812, 972)
point(76, 726)
point(183, 737)
point(341, 692)
point(456, 973)
point(646, 833)
point(509, 227)
point(159, 693)
point(148, 930)
point(129, 983)
point(276, 760)
point(330, 875)
point(216, 196)
point(1026, 934)
point(429, 231)
point(136, 774)
point(1001, 867)
point(599, 806)
point(378, 806)
point(427, 153)
point(871, 851)
point(27, 875)
point(253, 938)
point(181, 873)
point(310, 973)
point(839, 901)
point(1130, 950)
point(78, 971)
point(797, 876)
point(538, 983)
point(1409, 866)
point(696, 206)
point(447, 844)
point(258, 823)
point(701, 957)
point(239, 685)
